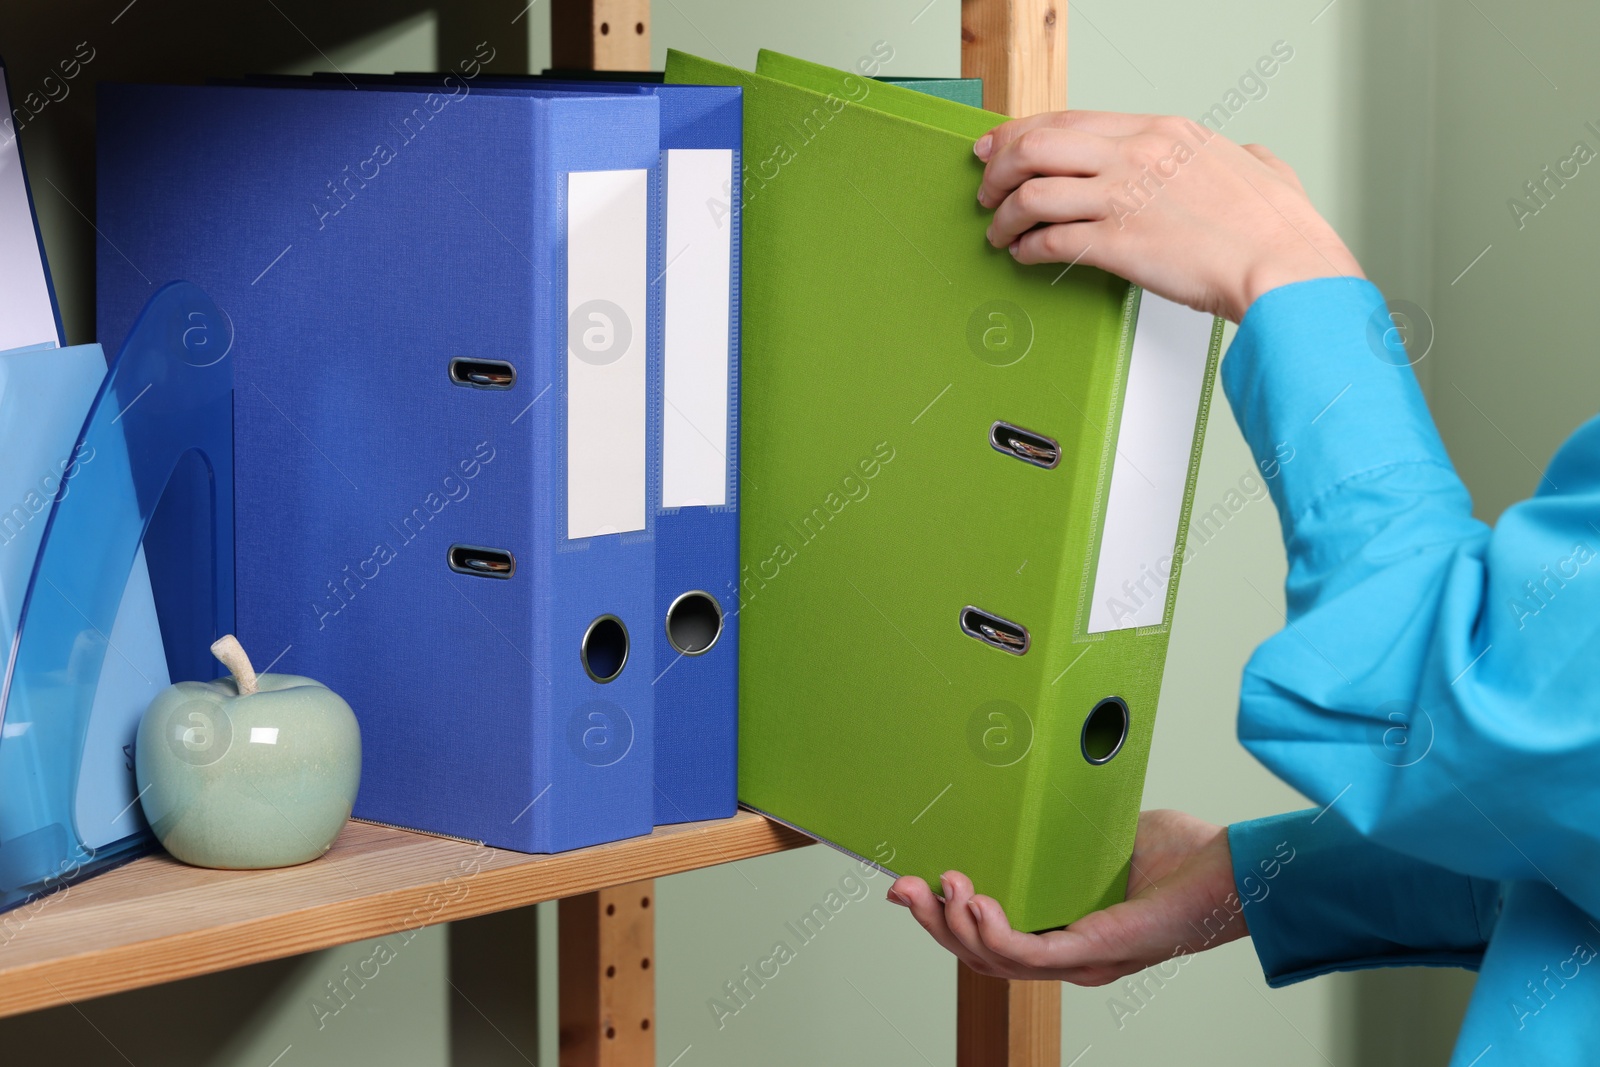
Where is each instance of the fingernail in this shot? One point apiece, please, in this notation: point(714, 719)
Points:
point(1014, 246)
point(977, 912)
point(944, 887)
point(981, 149)
point(896, 898)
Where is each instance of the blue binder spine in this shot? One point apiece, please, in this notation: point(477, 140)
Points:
point(697, 556)
point(696, 626)
point(596, 467)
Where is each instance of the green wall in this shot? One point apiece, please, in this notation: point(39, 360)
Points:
point(1410, 125)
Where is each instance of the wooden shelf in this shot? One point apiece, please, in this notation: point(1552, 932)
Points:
point(156, 920)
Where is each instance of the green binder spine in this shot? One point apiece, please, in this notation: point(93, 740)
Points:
point(934, 449)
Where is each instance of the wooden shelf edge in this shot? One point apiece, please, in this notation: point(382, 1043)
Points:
point(156, 921)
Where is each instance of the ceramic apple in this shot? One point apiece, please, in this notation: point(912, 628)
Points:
point(247, 771)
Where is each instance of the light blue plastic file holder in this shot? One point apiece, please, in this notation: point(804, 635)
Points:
point(161, 431)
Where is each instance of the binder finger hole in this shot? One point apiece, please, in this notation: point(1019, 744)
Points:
point(604, 651)
point(483, 373)
point(694, 622)
point(1105, 730)
point(1030, 447)
point(992, 630)
point(482, 562)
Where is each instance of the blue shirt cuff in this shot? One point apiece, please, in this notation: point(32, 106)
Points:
point(1320, 385)
point(1319, 897)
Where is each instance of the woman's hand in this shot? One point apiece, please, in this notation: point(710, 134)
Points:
point(1161, 201)
point(1181, 899)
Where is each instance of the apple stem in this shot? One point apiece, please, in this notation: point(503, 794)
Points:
point(227, 649)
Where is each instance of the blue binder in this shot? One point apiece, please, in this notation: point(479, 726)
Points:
point(697, 502)
point(439, 311)
point(696, 446)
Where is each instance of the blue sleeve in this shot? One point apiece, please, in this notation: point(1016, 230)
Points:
point(1435, 681)
point(1319, 897)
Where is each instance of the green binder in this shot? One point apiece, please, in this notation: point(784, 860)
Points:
point(965, 485)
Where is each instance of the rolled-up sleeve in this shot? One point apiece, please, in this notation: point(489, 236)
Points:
point(1318, 897)
point(1435, 679)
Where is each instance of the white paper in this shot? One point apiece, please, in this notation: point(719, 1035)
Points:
point(1155, 442)
point(607, 228)
point(694, 447)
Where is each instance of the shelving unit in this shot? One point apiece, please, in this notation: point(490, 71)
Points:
point(156, 920)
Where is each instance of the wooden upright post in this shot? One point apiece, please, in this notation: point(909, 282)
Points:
point(608, 938)
point(608, 978)
point(600, 34)
point(1006, 1024)
point(1019, 49)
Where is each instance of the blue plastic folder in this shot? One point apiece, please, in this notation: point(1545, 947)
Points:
point(152, 464)
point(440, 310)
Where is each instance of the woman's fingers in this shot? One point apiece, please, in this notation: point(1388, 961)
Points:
point(963, 923)
point(1047, 150)
point(1103, 123)
point(929, 912)
point(1069, 242)
point(1175, 208)
point(1025, 950)
point(1046, 200)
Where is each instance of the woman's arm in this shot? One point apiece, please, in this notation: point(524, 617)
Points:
point(1437, 681)
point(1435, 684)
point(1312, 894)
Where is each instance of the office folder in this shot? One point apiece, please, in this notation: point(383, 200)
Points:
point(439, 310)
point(967, 485)
point(694, 287)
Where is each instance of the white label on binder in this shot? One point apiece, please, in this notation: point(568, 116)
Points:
point(694, 447)
point(1155, 442)
point(26, 316)
point(607, 226)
